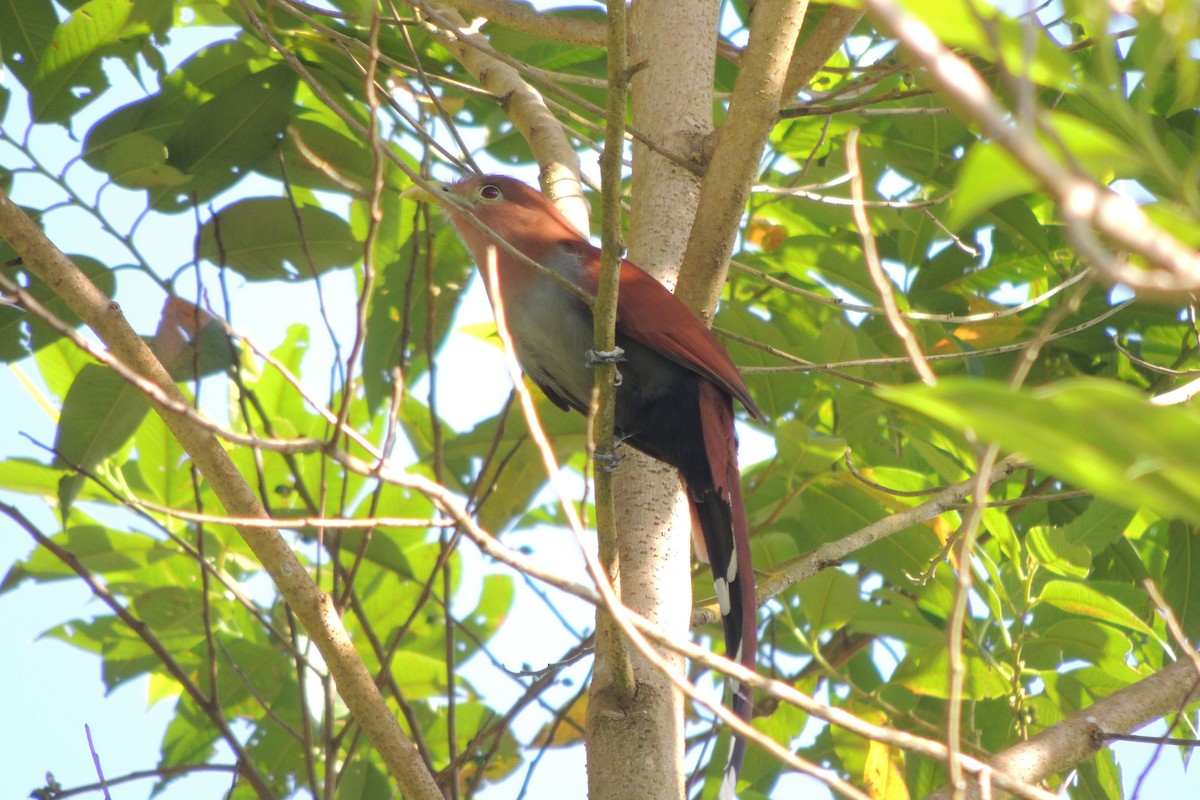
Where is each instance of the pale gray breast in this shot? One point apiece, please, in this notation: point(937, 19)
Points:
point(552, 332)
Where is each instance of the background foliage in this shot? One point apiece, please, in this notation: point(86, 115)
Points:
point(239, 186)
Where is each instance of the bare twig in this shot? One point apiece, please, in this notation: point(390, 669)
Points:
point(791, 572)
point(291, 577)
point(875, 268)
point(602, 412)
point(523, 17)
point(524, 105)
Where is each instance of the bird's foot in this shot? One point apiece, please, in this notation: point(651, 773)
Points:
point(607, 462)
point(593, 357)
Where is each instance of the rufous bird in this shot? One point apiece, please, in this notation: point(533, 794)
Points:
point(675, 398)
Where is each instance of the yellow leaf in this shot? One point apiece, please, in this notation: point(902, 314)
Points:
point(883, 774)
point(499, 766)
point(765, 235)
point(989, 332)
point(566, 728)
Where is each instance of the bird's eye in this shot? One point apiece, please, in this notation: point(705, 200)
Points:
point(490, 192)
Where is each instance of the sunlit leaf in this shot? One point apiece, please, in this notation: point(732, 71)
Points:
point(99, 414)
point(1094, 433)
point(267, 238)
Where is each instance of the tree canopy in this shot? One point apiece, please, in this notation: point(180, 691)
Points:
point(962, 291)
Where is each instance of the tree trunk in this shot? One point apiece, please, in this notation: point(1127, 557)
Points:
point(671, 46)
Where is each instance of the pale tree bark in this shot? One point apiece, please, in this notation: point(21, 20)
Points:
point(672, 48)
point(753, 112)
point(1079, 736)
point(523, 104)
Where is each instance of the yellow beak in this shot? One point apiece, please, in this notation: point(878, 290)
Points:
point(437, 193)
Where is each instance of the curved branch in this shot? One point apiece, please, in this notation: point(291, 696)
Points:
point(523, 17)
point(312, 606)
point(1084, 203)
point(802, 567)
point(1079, 736)
point(523, 104)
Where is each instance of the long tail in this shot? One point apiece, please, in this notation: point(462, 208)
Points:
point(722, 516)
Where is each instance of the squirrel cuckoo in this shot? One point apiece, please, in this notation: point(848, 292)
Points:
point(675, 398)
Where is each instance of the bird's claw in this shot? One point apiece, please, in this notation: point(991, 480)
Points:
point(607, 462)
point(595, 357)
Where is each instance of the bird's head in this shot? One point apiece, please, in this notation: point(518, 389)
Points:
point(518, 213)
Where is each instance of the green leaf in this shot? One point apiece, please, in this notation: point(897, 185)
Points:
point(68, 74)
point(29, 477)
point(925, 671)
point(828, 599)
point(116, 554)
point(190, 736)
point(1086, 601)
point(362, 780)
point(1054, 551)
point(1104, 155)
point(517, 472)
point(196, 81)
point(161, 464)
point(422, 676)
point(495, 602)
point(262, 240)
point(402, 313)
point(903, 622)
point(22, 333)
point(1074, 639)
point(1097, 434)
point(229, 135)
point(806, 451)
point(1181, 578)
point(139, 161)
point(99, 414)
point(960, 25)
point(26, 27)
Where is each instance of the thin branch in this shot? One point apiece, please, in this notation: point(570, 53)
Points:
point(246, 767)
point(955, 319)
point(814, 50)
point(523, 104)
point(161, 773)
point(602, 411)
point(1175, 267)
point(871, 253)
point(522, 17)
point(791, 572)
point(956, 624)
point(1177, 395)
point(290, 576)
point(169, 401)
point(990, 351)
point(1168, 614)
point(1077, 738)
